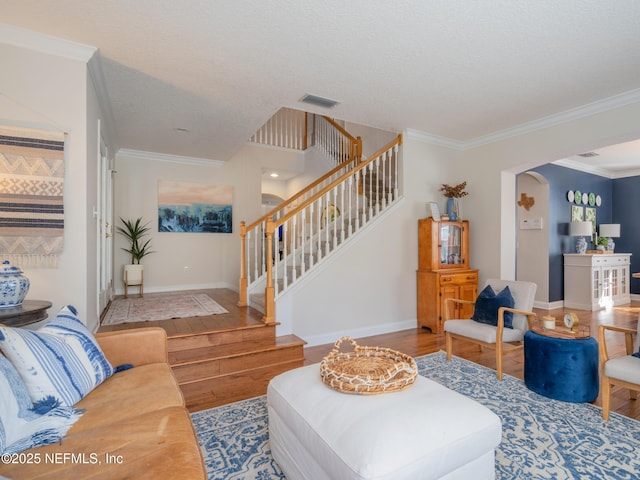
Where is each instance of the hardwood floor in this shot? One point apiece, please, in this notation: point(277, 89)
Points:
point(417, 342)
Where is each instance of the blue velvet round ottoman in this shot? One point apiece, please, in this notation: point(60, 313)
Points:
point(560, 368)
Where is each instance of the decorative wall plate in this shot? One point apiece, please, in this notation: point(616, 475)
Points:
point(570, 196)
point(585, 198)
point(598, 200)
point(578, 197)
point(592, 199)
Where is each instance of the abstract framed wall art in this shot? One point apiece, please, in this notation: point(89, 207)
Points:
point(590, 216)
point(194, 207)
point(577, 213)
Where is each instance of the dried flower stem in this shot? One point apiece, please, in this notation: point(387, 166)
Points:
point(455, 192)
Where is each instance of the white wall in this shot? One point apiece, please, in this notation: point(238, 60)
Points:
point(533, 245)
point(490, 170)
point(212, 259)
point(370, 286)
point(49, 92)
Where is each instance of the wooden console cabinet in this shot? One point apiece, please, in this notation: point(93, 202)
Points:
point(443, 271)
point(593, 282)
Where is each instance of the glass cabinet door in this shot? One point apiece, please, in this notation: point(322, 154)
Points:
point(450, 244)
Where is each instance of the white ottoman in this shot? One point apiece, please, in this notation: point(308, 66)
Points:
point(424, 432)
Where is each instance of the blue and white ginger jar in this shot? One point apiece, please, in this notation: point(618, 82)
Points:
point(13, 285)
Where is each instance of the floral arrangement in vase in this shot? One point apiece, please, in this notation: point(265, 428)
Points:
point(452, 194)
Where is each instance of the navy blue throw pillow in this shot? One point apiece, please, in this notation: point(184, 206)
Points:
point(488, 303)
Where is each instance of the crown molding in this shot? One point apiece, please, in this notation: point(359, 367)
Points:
point(602, 172)
point(431, 139)
point(163, 157)
point(574, 165)
point(610, 103)
point(48, 44)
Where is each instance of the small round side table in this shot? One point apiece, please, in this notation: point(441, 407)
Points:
point(30, 311)
point(561, 368)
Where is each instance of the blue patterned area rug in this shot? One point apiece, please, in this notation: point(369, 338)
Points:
point(541, 438)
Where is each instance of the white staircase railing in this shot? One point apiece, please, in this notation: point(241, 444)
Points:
point(283, 246)
point(334, 141)
point(287, 128)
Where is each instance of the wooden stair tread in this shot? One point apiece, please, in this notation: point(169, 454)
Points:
point(221, 329)
point(243, 372)
point(229, 350)
point(222, 337)
point(234, 387)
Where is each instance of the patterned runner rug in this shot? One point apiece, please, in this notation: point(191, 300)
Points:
point(541, 438)
point(161, 307)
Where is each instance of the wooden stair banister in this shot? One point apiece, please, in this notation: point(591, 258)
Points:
point(355, 153)
point(273, 225)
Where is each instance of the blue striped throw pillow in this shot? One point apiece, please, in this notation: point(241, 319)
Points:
point(59, 363)
point(20, 426)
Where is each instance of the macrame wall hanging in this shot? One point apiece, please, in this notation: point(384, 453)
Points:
point(31, 196)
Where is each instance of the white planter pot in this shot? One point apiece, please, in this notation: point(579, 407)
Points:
point(133, 274)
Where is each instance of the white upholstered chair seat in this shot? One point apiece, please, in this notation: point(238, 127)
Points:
point(483, 332)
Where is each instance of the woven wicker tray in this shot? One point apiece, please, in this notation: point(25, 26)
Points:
point(367, 370)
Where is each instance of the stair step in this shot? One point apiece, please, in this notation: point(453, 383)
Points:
point(221, 337)
point(212, 362)
point(213, 392)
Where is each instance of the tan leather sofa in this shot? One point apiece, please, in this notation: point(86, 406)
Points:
point(135, 424)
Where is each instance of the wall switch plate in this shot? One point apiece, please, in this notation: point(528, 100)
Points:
point(531, 224)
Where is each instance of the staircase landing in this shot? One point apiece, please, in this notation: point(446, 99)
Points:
point(218, 359)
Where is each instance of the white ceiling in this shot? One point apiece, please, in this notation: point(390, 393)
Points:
point(462, 71)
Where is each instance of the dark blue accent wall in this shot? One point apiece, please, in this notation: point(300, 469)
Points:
point(626, 212)
point(561, 180)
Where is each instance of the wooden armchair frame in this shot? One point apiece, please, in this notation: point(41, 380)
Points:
point(607, 382)
point(499, 346)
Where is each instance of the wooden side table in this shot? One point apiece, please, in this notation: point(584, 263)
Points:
point(30, 311)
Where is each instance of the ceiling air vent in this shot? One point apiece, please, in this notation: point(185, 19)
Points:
point(588, 154)
point(319, 101)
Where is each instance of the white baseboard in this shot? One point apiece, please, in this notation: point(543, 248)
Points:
point(548, 305)
point(178, 288)
point(331, 337)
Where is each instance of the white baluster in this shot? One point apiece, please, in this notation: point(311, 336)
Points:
point(285, 254)
point(311, 253)
point(333, 216)
point(357, 180)
point(293, 235)
point(342, 212)
point(395, 177)
point(303, 241)
point(370, 167)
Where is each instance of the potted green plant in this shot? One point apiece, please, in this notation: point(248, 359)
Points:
point(602, 243)
point(135, 232)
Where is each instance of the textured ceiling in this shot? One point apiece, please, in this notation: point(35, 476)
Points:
point(462, 71)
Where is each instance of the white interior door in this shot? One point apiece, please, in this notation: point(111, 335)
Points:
point(105, 227)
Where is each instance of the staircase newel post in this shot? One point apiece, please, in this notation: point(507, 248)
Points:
point(242, 301)
point(358, 150)
point(269, 291)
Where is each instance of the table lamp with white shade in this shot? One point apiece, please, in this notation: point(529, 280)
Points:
point(581, 229)
point(611, 231)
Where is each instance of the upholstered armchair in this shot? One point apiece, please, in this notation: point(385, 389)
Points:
point(621, 371)
point(497, 323)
